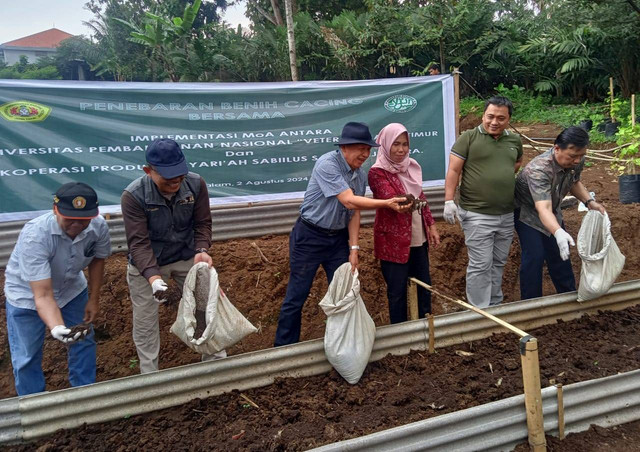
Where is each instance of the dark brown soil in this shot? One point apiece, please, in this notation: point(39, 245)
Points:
point(257, 287)
point(297, 414)
point(289, 416)
point(622, 438)
point(82, 328)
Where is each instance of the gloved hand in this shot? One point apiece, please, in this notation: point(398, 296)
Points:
point(157, 287)
point(564, 240)
point(450, 212)
point(62, 333)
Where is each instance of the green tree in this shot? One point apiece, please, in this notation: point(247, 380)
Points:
point(168, 40)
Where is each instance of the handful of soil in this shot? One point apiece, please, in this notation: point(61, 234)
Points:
point(82, 328)
point(416, 204)
point(408, 199)
point(172, 294)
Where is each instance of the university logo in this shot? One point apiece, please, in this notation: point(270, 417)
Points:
point(79, 202)
point(23, 110)
point(400, 103)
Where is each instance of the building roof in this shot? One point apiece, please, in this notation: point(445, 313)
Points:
point(45, 39)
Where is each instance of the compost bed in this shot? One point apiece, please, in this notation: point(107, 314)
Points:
point(300, 413)
point(257, 287)
point(621, 438)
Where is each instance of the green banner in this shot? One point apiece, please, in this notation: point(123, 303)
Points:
point(250, 141)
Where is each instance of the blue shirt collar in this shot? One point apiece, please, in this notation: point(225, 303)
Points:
point(345, 166)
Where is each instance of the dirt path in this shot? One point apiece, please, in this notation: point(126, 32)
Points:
point(301, 413)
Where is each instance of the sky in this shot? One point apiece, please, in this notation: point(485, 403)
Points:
point(20, 18)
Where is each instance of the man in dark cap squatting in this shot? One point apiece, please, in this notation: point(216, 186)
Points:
point(167, 221)
point(46, 288)
point(326, 233)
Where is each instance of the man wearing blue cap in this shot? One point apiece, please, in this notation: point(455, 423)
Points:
point(326, 233)
point(167, 221)
point(45, 286)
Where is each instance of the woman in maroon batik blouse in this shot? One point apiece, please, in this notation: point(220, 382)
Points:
point(401, 240)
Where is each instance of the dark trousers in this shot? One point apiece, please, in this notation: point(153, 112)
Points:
point(538, 248)
point(308, 249)
point(397, 276)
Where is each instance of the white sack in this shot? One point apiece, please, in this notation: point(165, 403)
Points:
point(225, 324)
point(602, 260)
point(350, 331)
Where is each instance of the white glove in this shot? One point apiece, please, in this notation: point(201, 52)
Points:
point(158, 286)
point(450, 212)
point(564, 240)
point(61, 333)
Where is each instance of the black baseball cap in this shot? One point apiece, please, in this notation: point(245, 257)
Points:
point(357, 133)
point(167, 158)
point(76, 200)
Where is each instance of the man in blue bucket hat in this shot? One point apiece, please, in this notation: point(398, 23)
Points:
point(167, 221)
point(326, 233)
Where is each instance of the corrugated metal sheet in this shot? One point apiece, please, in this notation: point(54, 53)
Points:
point(501, 425)
point(44, 413)
point(229, 222)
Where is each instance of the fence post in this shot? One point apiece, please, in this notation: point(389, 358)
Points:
point(532, 392)
point(412, 295)
point(456, 95)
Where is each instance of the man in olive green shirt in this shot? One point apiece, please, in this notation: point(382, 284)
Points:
point(486, 157)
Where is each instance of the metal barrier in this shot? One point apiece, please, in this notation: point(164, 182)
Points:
point(41, 414)
point(501, 425)
point(229, 222)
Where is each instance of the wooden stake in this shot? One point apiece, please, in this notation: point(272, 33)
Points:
point(501, 322)
point(249, 401)
point(560, 411)
point(633, 110)
point(413, 300)
point(456, 96)
point(611, 99)
point(532, 393)
point(432, 334)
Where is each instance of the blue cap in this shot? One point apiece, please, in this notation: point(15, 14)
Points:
point(167, 158)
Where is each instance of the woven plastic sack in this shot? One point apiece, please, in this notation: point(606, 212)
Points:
point(602, 260)
point(204, 303)
point(350, 331)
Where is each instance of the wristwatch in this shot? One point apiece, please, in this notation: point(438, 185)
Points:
point(201, 250)
point(586, 203)
point(355, 247)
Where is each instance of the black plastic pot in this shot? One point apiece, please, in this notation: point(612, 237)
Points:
point(629, 185)
point(611, 129)
point(586, 124)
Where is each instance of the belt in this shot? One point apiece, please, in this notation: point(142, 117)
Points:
point(322, 230)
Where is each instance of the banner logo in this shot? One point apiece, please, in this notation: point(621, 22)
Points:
point(400, 103)
point(23, 110)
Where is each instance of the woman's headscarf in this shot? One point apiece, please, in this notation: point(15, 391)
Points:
point(409, 171)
